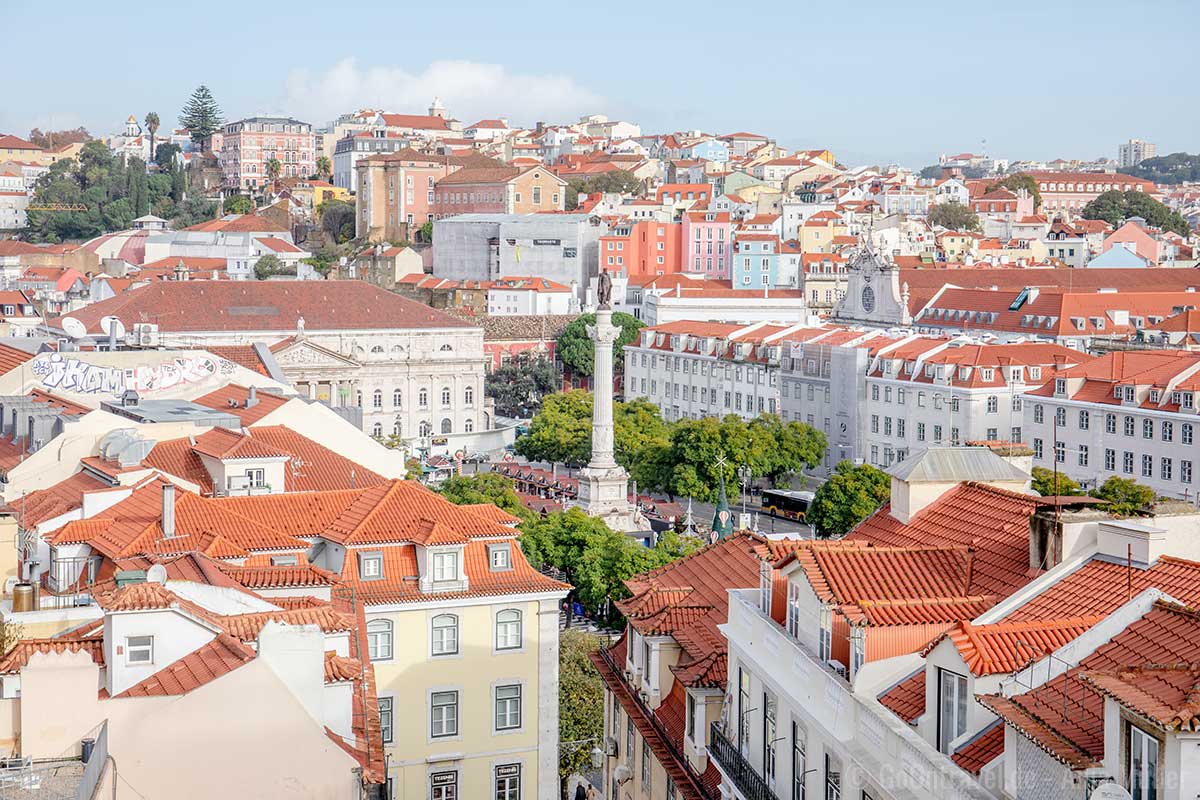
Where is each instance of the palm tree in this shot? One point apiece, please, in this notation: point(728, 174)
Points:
point(273, 169)
point(152, 126)
point(324, 168)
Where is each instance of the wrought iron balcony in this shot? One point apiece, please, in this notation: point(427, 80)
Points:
point(746, 780)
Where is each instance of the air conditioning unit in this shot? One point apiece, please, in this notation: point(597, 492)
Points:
point(610, 746)
point(837, 667)
point(144, 334)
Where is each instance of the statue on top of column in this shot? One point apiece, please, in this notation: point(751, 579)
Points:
point(604, 290)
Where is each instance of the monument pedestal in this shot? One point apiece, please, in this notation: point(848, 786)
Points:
point(604, 493)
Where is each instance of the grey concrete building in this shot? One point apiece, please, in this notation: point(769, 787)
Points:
point(558, 247)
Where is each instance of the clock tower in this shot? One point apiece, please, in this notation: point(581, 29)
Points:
point(874, 295)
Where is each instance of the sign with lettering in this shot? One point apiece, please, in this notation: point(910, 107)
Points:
point(64, 373)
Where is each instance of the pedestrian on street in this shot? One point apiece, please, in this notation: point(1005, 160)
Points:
point(580, 792)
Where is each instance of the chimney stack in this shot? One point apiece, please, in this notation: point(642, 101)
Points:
point(252, 398)
point(168, 510)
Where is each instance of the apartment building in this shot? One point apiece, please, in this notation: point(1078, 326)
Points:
point(665, 678)
point(1068, 192)
point(707, 243)
point(1134, 152)
point(692, 370)
point(499, 190)
point(930, 392)
point(643, 248)
point(1127, 414)
point(395, 191)
point(250, 143)
point(356, 146)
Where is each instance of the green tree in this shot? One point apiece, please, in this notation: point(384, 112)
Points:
point(324, 167)
point(337, 220)
point(519, 385)
point(485, 487)
point(637, 424)
point(152, 123)
point(1173, 168)
point(425, 233)
point(1016, 181)
point(561, 432)
point(273, 169)
point(201, 115)
point(850, 495)
point(616, 182)
point(1045, 483)
point(238, 204)
point(954, 216)
point(193, 211)
point(791, 447)
point(1126, 498)
point(580, 703)
point(114, 190)
point(266, 266)
point(577, 350)
point(165, 154)
point(1114, 207)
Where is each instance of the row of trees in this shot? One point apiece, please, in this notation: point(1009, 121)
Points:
point(1173, 168)
point(687, 458)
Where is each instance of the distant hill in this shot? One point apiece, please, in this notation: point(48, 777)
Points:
point(1175, 168)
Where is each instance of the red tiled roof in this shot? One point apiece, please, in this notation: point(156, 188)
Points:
point(53, 501)
point(246, 627)
point(1099, 587)
point(994, 522)
point(217, 658)
point(1065, 716)
point(1010, 646)
point(241, 223)
point(339, 669)
point(906, 699)
point(22, 651)
point(243, 355)
point(278, 577)
point(219, 399)
point(11, 358)
point(981, 750)
point(1168, 694)
point(271, 306)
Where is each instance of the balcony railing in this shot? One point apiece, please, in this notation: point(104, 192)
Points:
point(746, 779)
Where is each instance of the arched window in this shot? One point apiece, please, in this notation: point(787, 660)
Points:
point(379, 639)
point(423, 398)
point(445, 395)
point(396, 429)
point(397, 397)
point(377, 430)
point(444, 636)
point(469, 426)
point(358, 398)
point(446, 425)
point(508, 629)
point(377, 350)
point(469, 395)
point(377, 398)
point(424, 429)
point(446, 348)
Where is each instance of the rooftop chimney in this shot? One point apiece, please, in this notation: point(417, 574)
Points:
point(252, 398)
point(168, 510)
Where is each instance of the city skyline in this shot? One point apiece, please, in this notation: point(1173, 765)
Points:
point(785, 75)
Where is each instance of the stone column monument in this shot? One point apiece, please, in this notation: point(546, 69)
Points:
point(604, 484)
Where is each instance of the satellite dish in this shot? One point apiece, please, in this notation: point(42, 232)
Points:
point(74, 328)
point(156, 574)
point(1110, 791)
point(112, 326)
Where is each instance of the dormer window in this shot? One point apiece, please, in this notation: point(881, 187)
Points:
point(500, 557)
point(1154, 395)
point(139, 650)
point(370, 566)
point(989, 374)
point(283, 561)
point(445, 567)
point(1060, 386)
point(1035, 373)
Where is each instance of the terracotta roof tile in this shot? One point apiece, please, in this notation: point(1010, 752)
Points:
point(981, 750)
point(219, 657)
point(906, 699)
point(1009, 646)
point(1100, 587)
point(339, 668)
point(22, 651)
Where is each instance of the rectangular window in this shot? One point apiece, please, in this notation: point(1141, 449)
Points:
point(508, 782)
point(646, 766)
point(1127, 462)
point(1168, 431)
point(952, 708)
point(508, 707)
point(1165, 468)
point(920, 431)
point(1185, 433)
point(370, 566)
point(798, 761)
point(385, 718)
point(743, 711)
point(1128, 426)
point(1147, 466)
point(768, 737)
point(1085, 420)
point(1110, 460)
point(443, 714)
point(1147, 429)
point(1185, 471)
point(1083, 455)
point(443, 786)
point(500, 557)
point(139, 649)
point(445, 567)
point(1039, 414)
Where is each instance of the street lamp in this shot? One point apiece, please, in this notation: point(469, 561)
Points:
point(744, 476)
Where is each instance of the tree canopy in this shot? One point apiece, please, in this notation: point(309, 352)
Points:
point(268, 265)
point(115, 190)
point(238, 204)
point(1125, 497)
point(201, 115)
point(561, 431)
point(337, 220)
point(1174, 168)
point(1019, 180)
point(485, 487)
point(580, 701)
point(850, 495)
point(576, 349)
point(519, 385)
point(53, 139)
point(1114, 207)
point(616, 182)
point(1047, 484)
point(954, 216)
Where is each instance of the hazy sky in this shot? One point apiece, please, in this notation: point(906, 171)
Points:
point(873, 81)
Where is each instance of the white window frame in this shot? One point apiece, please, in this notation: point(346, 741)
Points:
point(511, 712)
point(508, 628)
point(439, 643)
point(380, 640)
point(447, 717)
point(140, 647)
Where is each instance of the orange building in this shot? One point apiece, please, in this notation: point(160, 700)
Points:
point(645, 248)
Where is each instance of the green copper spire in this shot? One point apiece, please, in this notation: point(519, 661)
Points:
point(722, 524)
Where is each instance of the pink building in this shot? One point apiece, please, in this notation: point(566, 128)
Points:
point(1135, 236)
point(707, 236)
point(247, 145)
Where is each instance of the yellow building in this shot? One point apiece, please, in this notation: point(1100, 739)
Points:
point(818, 232)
